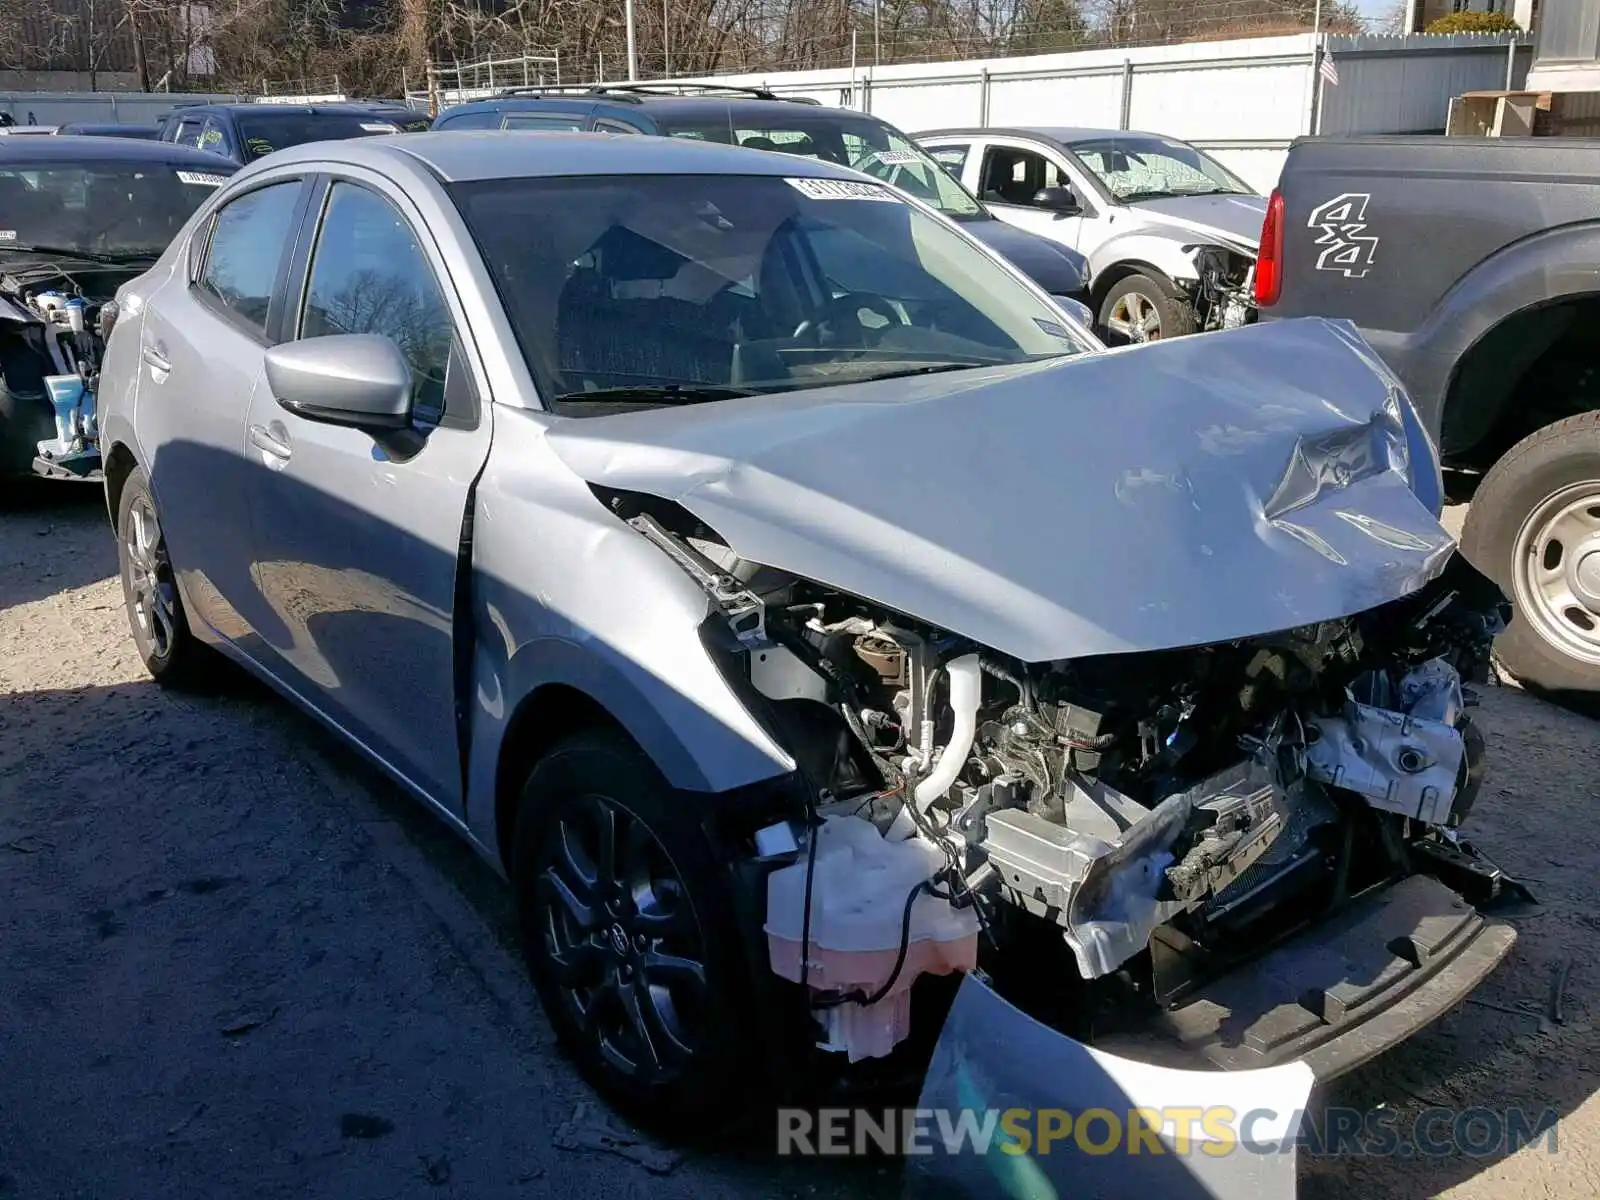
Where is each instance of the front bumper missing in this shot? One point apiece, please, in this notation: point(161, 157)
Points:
point(1315, 1007)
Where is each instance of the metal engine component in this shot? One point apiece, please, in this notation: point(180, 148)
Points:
point(1397, 762)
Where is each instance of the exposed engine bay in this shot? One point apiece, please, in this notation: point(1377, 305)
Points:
point(53, 324)
point(1223, 297)
point(1155, 817)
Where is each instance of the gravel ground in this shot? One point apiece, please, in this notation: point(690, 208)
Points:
point(235, 962)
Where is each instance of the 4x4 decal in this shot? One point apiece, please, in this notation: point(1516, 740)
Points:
point(1347, 248)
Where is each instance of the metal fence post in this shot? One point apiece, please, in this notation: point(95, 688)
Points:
point(983, 99)
point(1127, 93)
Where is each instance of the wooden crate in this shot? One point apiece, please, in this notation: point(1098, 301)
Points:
point(1524, 114)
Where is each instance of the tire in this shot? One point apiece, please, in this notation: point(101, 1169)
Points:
point(1534, 528)
point(1122, 312)
point(161, 634)
point(649, 999)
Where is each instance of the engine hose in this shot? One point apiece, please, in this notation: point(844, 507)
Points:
point(1002, 672)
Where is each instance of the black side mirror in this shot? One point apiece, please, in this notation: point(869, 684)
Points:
point(1060, 200)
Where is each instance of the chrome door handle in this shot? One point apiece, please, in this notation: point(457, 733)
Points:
point(265, 440)
point(155, 359)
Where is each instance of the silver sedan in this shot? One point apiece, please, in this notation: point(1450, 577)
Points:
point(796, 605)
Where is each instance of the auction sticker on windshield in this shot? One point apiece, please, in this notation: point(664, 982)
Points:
point(840, 189)
point(202, 178)
point(8, 235)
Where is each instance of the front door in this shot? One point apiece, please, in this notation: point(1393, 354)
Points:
point(1012, 173)
point(201, 350)
point(358, 533)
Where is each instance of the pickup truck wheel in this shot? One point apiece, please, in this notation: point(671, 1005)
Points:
point(1534, 528)
point(172, 654)
point(1145, 308)
point(629, 932)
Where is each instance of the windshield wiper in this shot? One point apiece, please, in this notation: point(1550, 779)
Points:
point(93, 256)
point(670, 393)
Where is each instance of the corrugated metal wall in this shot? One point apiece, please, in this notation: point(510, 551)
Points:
point(118, 108)
point(1244, 100)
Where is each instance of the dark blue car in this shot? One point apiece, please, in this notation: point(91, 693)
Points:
point(763, 121)
point(246, 132)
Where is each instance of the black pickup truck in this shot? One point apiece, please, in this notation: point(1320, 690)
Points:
point(1473, 267)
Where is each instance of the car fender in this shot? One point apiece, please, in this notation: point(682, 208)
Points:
point(1143, 250)
point(1550, 265)
point(565, 593)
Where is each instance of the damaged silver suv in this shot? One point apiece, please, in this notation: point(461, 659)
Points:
point(801, 651)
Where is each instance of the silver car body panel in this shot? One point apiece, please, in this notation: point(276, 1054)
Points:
point(1104, 504)
point(1012, 1109)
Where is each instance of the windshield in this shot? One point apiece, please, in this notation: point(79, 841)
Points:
point(265, 132)
point(867, 145)
point(681, 288)
point(1145, 168)
point(118, 209)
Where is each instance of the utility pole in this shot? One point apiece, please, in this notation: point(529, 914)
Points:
point(633, 57)
point(877, 57)
point(666, 39)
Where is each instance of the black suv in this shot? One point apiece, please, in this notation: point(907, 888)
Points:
point(764, 121)
point(245, 132)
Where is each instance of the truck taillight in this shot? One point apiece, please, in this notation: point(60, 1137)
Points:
point(1269, 258)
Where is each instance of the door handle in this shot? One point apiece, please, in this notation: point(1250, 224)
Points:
point(155, 359)
point(265, 440)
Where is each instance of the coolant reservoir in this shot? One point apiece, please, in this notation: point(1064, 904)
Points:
point(858, 897)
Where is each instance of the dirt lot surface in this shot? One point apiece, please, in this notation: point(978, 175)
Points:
point(235, 962)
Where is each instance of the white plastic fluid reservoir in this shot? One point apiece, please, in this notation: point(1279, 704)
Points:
point(859, 887)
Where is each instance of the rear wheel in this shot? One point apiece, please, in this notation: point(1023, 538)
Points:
point(1534, 528)
point(1145, 308)
point(171, 653)
point(628, 927)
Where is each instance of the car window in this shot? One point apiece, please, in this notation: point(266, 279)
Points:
point(549, 124)
point(189, 131)
point(674, 284)
point(1014, 176)
point(213, 137)
point(951, 158)
point(248, 238)
point(850, 140)
point(483, 119)
point(1142, 167)
point(369, 275)
point(604, 126)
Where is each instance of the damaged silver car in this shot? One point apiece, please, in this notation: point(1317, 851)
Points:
point(800, 654)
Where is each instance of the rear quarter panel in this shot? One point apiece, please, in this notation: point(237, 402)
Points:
point(1408, 238)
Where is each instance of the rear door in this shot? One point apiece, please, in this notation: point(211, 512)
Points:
point(357, 534)
point(201, 355)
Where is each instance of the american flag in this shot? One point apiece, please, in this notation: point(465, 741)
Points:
point(1327, 70)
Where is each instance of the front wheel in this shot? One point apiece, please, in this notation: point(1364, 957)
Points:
point(629, 931)
point(1145, 308)
point(1534, 528)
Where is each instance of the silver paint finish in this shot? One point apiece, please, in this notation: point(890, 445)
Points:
point(1170, 495)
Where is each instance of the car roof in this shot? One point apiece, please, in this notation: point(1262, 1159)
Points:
point(512, 154)
point(348, 108)
point(1050, 133)
point(666, 105)
point(76, 147)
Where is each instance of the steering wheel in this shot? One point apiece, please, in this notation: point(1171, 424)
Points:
point(848, 305)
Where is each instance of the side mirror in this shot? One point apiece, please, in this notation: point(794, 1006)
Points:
point(1077, 310)
point(1060, 200)
point(356, 379)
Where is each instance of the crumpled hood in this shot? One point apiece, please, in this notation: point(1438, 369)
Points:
point(1059, 270)
point(1189, 491)
point(1231, 218)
